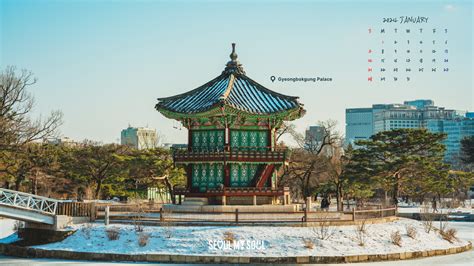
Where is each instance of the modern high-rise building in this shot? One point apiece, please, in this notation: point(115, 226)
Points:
point(139, 137)
point(419, 103)
point(456, 130)
point(314, 137)
point(361, 123)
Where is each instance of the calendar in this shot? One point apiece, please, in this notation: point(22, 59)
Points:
point(404, 48)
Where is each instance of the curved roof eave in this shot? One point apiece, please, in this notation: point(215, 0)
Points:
point(203, 113)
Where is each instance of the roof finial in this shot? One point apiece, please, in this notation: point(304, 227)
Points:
point(233, 66)
point(233, 55)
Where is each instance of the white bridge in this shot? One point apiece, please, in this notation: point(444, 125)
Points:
point(27, 207)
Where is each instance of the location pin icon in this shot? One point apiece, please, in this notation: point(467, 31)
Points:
point(272, 78)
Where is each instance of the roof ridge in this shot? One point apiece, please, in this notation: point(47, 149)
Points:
point(204, 86)
point(271, 91)
point(230, 85)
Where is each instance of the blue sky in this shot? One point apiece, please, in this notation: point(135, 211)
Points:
point(104, 63)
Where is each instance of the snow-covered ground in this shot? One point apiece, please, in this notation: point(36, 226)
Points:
point(465, 232)
point(252, 241)
point(6, 227)
point(416, 208)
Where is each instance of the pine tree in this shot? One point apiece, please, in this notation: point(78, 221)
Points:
point(467, 150)
point(402, 161)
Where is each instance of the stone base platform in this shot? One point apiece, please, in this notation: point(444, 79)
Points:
point(229, 208)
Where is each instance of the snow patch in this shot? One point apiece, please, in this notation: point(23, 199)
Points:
point(277, 241)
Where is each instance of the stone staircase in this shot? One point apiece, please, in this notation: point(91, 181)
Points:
point(193, 201)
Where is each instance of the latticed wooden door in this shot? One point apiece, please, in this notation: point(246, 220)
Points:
point(207, 176)
point(251, 139)
point(241, 175)
point(204, 140)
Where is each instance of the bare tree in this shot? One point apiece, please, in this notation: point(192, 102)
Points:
point(16, 104)
point(308, 162)
point(337, 173)
point(285, 129)
point(17, 127)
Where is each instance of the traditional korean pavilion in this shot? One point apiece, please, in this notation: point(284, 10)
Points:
point(231, 156)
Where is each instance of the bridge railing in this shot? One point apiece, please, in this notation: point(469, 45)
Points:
point(28, 201)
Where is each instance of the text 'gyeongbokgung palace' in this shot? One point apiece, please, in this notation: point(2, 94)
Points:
point(232, 156)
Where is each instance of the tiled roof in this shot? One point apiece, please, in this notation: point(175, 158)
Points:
point(232, 88)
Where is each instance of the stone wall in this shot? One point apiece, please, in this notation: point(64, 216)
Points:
point(36, 236)
point(29, 252)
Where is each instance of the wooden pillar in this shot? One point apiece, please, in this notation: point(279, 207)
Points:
point(227, 175)
point(227, 139)
point(190, 140)
point(106, 215)
point(270, 139)
point(274, 138)
point(254, 199)
point(271, 177)
point(224, 200)
point(189, 176)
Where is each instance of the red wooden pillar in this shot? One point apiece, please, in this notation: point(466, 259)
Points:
point(189, 176)
point(271, 177)
point(227, 175)
point(269, 139)
point(227, 139)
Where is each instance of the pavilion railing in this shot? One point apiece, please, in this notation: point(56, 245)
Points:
point(241, 191)
point(256, 154)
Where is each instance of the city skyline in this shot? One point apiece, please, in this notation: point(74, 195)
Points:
point(106, 71)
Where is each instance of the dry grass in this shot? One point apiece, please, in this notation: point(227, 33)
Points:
point(361, 231)
point(443, 223)
point(229, 237)
point(87, 230)
point(427, 217)
point(411, 231)
point(308, 243)
point(362, 226)
point(167, 224)
point(138, 217)
point(168, 231)
point(396, 238)
point(137, 224)
point(143, 239)
point(324, 230)
point(449, 234)
point(113, 233)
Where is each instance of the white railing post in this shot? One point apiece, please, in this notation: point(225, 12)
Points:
point(41, 206)
point(28, 202)
point(55, 206)
point(14, 199)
